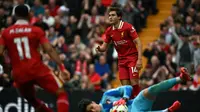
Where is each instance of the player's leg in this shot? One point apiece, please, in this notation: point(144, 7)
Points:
point(124, 75)
point(175, 106)
point(147, 96)
point(154, 90)
point(31, 97)
point(134, 78)
point(142, 104)
point(53, 84)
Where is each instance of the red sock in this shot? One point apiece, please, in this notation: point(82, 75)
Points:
point(39, 105)
point(175, 106)
point(62, 102)
point(36, 103)
point(45, 108)
point(136, 91)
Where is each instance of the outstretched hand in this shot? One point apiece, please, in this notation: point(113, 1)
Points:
point(97, 49)
point(120, 102)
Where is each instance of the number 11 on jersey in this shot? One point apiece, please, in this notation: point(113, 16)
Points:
point(20, 43)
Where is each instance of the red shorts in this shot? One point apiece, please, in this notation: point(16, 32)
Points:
point(126, 73)
point(49, 82)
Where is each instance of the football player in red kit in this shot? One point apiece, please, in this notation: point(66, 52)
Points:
point(22, 40)
point(125, 39)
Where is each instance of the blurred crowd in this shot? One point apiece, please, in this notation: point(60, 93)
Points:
point(76, 27)
point(177, 46)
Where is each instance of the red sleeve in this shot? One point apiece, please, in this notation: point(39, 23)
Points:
point(42, 37)
point(107, 37)
point(2, 41)
point(133, 32)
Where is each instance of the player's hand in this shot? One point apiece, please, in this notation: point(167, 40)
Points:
point(65, 75)
point(97, 49)
point(139, 64)
point(120, 102)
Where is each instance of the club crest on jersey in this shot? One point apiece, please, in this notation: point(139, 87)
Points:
point(122, 34)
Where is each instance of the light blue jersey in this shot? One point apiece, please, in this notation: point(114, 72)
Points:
point(113, 95)
point(139, 104)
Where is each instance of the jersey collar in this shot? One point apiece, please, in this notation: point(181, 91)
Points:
point(21, 22)
point(120, 25)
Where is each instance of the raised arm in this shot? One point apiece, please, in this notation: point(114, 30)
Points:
point(122, 91)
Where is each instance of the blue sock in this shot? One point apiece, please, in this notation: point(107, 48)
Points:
point(163, 86)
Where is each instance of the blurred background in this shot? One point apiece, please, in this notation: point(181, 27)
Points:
point(169, 31)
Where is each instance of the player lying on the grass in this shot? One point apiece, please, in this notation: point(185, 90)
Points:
point(142, 103)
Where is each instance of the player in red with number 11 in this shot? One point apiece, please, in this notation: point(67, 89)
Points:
point(22, 40)
point(125, 39)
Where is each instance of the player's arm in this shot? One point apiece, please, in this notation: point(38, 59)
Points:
point(103, 47)
point(1, 49)
point(2, 46)
point(52, 53)
point(106, 42)
point(122, 91)
point(137, 41)
point(139, 47)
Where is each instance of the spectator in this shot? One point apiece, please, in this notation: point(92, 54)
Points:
point(171, 66)
point(197, 56)
point(150, 5)
point(182, 7)
point(84, 26)
point(73, 23)
point(185, 51)
point(60, 28)
point(94, 77)
point(53, 8)
point(78, 43)
point(38, 8)
point(61, 46)
point(102, 68)
point(149, 52)
point(41, 24)
point(68, 34)
point(196, 77)
point(100, 8)
point(189, 25)
point(48, 18)
point(7, 4)
point(131, 15)
point(52, 36)
point(9, 21)
point(62, 13)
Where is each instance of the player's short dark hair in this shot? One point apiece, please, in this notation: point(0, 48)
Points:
point(117, 10)
point(21, 11)
point(83, 104)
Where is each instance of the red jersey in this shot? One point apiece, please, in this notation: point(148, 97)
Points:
point(123, 41)
point(22, 41)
